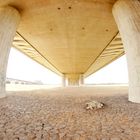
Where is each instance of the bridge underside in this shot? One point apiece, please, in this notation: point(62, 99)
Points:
point(66, 37)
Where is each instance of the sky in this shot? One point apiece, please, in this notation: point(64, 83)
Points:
point(22, 67)
point(115, 72)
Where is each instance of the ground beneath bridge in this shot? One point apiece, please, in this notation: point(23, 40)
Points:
point(60, 114)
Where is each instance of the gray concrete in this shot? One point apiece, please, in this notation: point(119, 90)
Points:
point(9, 19)
point(127, 16)
point(64, 80)
point(81, 80)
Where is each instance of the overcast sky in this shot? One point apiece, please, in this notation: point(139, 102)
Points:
point(116, 72)
point(24, 68)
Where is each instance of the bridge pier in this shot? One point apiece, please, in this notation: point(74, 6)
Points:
point(9, 20)
point(127, 16)
point(64, 80)
point(81, 80)
point(72, 79)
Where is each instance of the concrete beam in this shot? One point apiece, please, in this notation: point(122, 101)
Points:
point(113, 50)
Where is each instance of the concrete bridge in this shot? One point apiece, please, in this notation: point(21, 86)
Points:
point(72, 38)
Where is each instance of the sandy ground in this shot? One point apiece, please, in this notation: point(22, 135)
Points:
point(20, 87)
point(60, 114)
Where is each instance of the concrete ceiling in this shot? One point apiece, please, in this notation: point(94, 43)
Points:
point(67, 36)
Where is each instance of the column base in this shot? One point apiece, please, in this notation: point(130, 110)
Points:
point(134, 94)
point(134, 100)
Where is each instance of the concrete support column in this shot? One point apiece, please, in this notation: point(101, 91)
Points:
point(81, 80)
point(63, 80)
point(127, 16)
point(73, 79)
point(9, 20)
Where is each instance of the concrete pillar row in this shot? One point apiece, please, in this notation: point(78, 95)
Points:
point(73, 79)
point(81, 80)
point(9, 20)
point(127, 16)
point(64, 80)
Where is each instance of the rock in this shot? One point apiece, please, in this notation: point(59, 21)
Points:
point(94, 105)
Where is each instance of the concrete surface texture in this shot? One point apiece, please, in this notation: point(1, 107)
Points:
point(9, 20)
point(127, 16)
point(60, 114)
point(69, 37)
